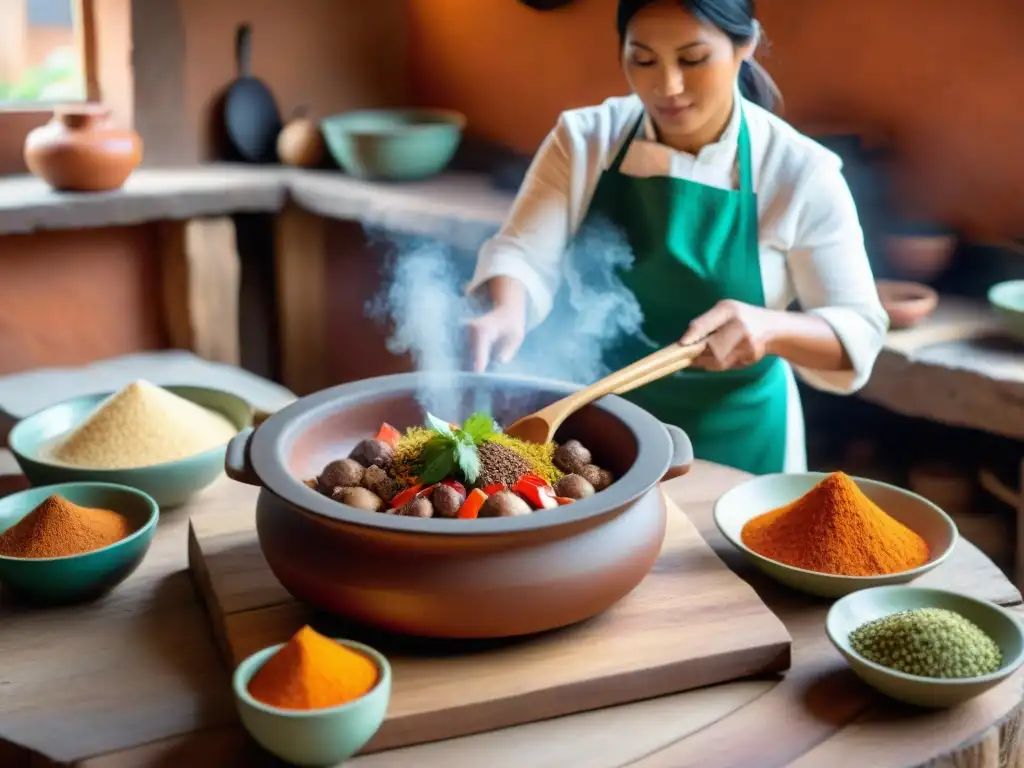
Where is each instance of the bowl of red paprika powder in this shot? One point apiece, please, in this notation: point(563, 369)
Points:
point(73, 542)
point(828, 534)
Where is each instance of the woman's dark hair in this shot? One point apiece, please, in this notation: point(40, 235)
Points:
point(738, 21)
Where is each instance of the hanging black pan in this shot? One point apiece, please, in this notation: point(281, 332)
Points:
point(251, 117)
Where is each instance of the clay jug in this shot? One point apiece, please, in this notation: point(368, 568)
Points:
point(80, 151)
point(300, 142)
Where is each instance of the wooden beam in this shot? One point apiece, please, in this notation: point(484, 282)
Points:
point(300, 266)
point(201, 274)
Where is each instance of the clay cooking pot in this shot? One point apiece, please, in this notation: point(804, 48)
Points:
point(491, 577)
point(79, 151)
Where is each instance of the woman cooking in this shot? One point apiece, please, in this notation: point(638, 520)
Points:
point(731, 215)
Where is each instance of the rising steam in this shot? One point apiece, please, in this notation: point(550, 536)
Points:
point(422, 299)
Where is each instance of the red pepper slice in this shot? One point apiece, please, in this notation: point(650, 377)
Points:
point(533, 479)
point(493, 488)
point(406, 496)
point(540, 497)
point(459, 487)
point(470, 508)
point(388, 434)
point(563, 500)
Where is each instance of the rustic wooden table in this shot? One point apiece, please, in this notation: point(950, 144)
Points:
point(136, 680)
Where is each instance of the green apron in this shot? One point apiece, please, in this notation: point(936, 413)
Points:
point(693, 246)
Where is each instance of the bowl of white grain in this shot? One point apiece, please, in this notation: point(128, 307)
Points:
point(167, 441)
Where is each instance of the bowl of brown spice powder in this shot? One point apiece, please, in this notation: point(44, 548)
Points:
point(73, 542)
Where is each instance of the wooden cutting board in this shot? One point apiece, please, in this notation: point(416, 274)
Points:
point(691, 623)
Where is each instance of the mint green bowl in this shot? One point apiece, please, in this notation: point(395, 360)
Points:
point(1007, 300)
point(170, 483)
point(393, 144)
point(856, 609)
point(318, 736)
point(76, 578)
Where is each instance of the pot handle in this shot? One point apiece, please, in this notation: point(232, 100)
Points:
point(236, 459)
point(682, 453)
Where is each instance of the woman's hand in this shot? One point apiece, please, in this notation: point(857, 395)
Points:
point(499, 333)
point(738, 334)
point(741, 334)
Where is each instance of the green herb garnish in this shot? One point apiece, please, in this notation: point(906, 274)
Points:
point(454, 448)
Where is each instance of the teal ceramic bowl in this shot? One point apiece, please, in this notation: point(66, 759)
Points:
point(314, 737)
point(170, 483)
point(762, 494)
point(852, 611)
point(393, 144)
point(76, 578)
point(1007, 300)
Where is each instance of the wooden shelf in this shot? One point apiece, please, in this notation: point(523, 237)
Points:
point(461, 209)
point(956, 368)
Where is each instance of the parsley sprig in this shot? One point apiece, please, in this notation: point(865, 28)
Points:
point(453, 448)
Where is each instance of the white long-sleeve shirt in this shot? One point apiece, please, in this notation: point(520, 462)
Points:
point(811, 241)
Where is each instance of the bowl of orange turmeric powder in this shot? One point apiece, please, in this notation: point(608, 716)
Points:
point(73, 542)
point(314, 700)
point(829, 534)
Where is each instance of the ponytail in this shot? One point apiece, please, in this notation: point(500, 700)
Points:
point(757, 86)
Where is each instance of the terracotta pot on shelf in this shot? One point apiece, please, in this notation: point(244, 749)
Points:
point(920, 252)
point(80, 151)
point(907, 304)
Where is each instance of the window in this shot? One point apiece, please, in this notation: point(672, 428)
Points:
point(44, 47)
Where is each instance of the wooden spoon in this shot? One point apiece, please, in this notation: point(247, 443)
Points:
point(540, 427)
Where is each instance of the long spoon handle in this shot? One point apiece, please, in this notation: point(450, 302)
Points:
point(664, 362)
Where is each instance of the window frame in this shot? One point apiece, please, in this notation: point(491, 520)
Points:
point(18, 119)
point(84, 15)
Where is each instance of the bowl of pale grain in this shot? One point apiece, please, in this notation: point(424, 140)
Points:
point(167, 441)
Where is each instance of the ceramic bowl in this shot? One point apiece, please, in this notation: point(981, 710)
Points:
point(907, 304)
point(77, 578)
point(396, 144)
point(170, 483)
point(867, 605)
point(1007, 300)
point(762, 494)
point(313, 737)
point(482, 578)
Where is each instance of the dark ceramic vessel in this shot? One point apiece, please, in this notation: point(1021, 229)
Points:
point(493, 577)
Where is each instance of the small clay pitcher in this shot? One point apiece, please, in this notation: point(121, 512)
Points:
point(80, 151)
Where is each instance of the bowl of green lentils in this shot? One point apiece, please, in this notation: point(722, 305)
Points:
point(926, 647)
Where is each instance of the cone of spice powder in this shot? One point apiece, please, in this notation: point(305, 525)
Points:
point(834, 528)
point(58, 528)
point(313, 672)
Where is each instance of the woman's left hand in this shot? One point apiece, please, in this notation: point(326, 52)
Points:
point(738, 335)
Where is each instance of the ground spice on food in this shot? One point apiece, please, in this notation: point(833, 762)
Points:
point(142, 425)
point(540, 456)
point(58, 528)
point(929, 642)
point(500, 464)
point(834, 528)
point(537, 458)
point(313, 672)
point(404, 464)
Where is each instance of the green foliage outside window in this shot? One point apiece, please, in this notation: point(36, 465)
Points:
point(59, 78)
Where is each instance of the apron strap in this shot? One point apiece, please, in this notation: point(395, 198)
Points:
point(743, 159)
point(626, 144)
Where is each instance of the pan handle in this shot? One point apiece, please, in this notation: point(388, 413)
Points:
point(243, 49)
